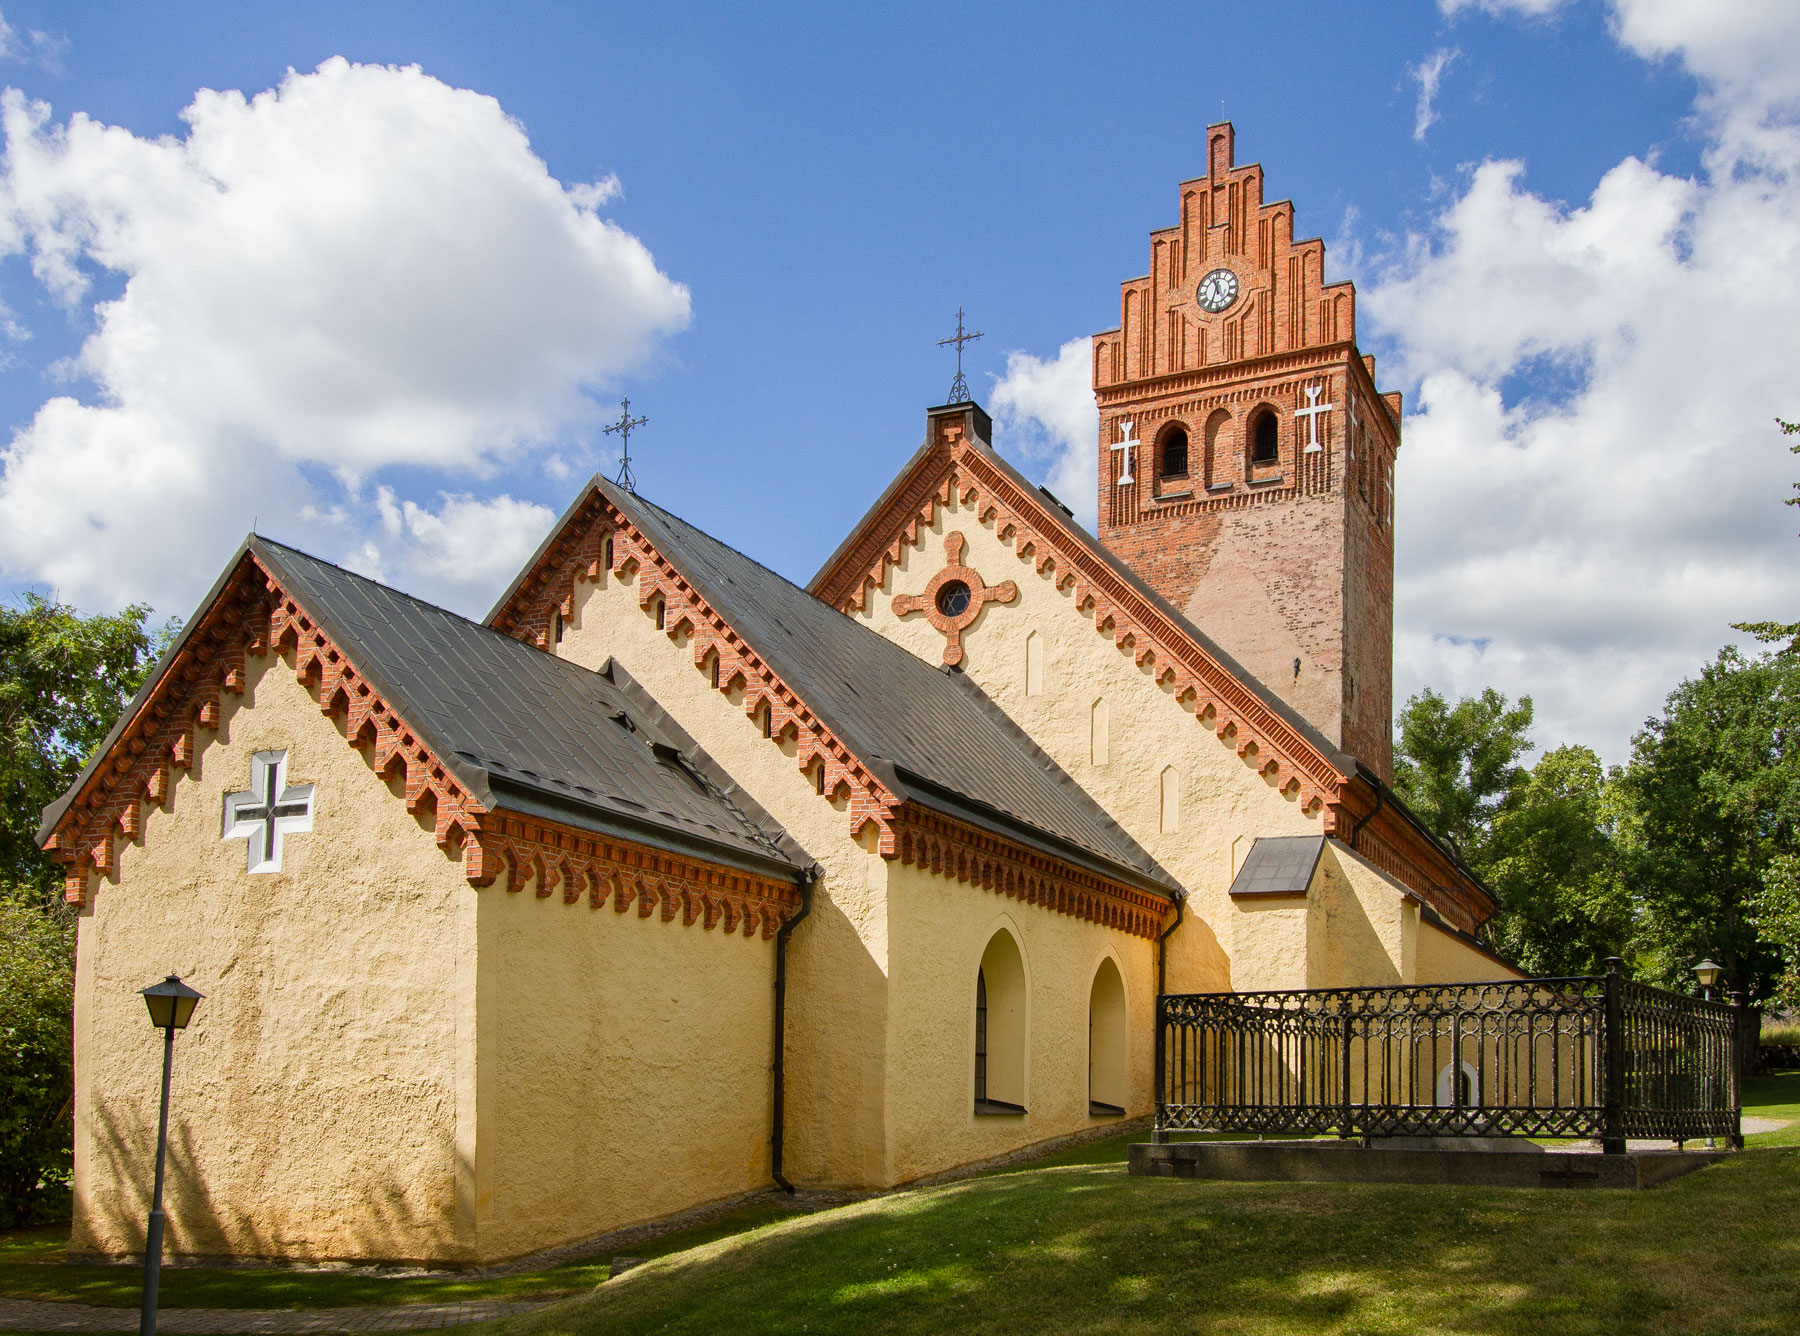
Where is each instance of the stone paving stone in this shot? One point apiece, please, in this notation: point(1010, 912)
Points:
point(36, 1315)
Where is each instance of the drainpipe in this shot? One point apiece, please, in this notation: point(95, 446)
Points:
point(1162, 946)
point(806, 882)
point(1157, 1134)
point(1380, 802)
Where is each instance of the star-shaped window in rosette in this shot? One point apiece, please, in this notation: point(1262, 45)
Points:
point(954, 598)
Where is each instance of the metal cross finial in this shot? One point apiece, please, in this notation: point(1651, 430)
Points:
point(959, 388)
point(623, 427)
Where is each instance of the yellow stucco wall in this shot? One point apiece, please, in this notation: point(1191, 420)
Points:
point(603, 1025)
point(1444, 958)
point(389, 1063)
point(1370, 931)
point(323, 1100)
point(1221, 797)
point(881, 976)
point(1358, 923)
point(938, 930)
point(837, 1021)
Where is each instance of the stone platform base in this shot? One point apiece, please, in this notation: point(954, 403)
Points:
point(1513, 1164)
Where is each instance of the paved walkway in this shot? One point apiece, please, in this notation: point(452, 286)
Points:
point(37, 1315)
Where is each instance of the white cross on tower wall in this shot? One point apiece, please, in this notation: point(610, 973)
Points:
point(270, 809)
point(1311, 414)
point(1129, 445)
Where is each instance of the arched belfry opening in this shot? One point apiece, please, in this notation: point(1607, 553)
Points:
point(1000, 1029)
point(1172, 452)
point(1265, 439)
point(1107, 1066)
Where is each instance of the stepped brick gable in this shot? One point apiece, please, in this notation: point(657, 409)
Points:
point(1246, 457)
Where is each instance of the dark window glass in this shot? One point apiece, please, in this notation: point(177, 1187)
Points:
point(953, 599)
point(1265, 449)
point(980, 1036)
point(1175, 453)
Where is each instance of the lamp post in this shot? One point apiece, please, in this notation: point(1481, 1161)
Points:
point(1708, 972)
point(171, 1004)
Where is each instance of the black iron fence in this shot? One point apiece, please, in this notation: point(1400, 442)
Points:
point(1598, 1056)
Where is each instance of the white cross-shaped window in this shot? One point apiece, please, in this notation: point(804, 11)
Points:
point(270, 809)
point(1129, 445)
point(1311, 414)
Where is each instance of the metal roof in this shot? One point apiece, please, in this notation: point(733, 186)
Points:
point(933, 737)
point(523, 730)
point(1279, 865)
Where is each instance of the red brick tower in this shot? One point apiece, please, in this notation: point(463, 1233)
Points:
point(1256, 493)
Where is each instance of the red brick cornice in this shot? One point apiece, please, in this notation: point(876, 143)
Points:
point(951, 848)
point(600, 536)
point(254, 615)
point(549, 855)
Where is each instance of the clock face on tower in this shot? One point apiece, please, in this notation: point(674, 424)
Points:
point(1217, 290)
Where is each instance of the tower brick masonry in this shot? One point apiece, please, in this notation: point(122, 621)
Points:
point(1246, 460)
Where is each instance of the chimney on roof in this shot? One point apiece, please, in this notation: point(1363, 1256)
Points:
point(950, 423)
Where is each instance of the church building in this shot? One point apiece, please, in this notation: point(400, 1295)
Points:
point(672, 880)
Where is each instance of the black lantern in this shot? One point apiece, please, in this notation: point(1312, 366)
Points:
point(171, 1003)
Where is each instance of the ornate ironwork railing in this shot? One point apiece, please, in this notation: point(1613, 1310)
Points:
point(1594, 1056)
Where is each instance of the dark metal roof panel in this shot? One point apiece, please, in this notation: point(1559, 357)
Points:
point(895, 711)
point(523, 728)
point(1279, 865)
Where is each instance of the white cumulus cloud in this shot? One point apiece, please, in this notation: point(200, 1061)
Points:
point(1045, 416)
point(1591, 480)
point(360, 271)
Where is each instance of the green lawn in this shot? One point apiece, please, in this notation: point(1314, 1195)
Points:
point(31, 1268)
point(1085, 1249)
point(1071, 1244)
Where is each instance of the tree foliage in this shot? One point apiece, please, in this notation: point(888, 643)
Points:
point(1552, 862)
point(1456, 764)
point(37, 976)
point(64, 677)
point(1714, 795)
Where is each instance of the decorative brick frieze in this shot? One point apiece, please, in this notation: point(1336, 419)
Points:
point(255, 616)
point(1193, 677)
point(550, 856)
point(965, 853)
point(576, 556)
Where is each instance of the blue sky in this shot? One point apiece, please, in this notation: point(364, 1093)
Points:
point(818, 188)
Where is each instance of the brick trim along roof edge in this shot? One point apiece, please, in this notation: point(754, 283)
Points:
point(594, 534)
point(249, 612)
point(1351, 801)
